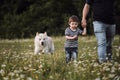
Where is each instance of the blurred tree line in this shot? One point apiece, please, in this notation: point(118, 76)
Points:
point(23, 18)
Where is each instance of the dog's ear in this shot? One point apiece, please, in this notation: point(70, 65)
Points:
point(37, 33)
point(45, 33)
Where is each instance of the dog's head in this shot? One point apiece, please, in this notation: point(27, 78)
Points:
point(41, 38)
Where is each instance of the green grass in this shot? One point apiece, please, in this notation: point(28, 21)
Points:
point(18, 62)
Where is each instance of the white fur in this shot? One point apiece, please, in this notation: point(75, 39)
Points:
point(43, 43)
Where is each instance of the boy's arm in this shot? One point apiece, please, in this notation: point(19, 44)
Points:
point(71, 37)
point(84, 31)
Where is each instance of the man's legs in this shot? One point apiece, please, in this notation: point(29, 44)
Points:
point(110, 36)
point(100, 33)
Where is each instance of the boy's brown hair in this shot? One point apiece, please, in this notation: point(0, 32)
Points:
point(73, 18)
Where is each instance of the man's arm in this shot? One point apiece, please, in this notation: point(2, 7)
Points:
point(84, 15)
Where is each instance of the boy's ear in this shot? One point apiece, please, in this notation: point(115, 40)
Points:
point(68, 23)
point(37, 33)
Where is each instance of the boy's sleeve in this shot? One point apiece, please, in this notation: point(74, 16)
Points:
point(80, 31)
point(66, 32)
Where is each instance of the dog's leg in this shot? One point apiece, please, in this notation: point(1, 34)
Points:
point(37, 50)
point(47, 49)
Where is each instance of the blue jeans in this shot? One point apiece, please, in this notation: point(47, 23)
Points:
point(71, 53)
point(104, 34)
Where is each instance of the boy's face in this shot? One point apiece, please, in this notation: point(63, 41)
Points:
point(73, 24)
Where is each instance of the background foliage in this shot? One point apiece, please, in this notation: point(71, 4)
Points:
point(23, 18)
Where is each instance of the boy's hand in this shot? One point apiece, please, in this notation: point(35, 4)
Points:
point(84, 31)
point(75, 37)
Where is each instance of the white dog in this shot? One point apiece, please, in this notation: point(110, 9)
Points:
point(43, 43)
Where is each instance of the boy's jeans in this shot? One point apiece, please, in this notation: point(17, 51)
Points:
point(104, 34)
point(71, 53)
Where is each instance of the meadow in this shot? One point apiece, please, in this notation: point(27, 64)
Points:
point(18, 62)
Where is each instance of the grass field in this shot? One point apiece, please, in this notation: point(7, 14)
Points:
point(18, 62)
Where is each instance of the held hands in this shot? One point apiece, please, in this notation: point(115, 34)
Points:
point(84, 23)
point(84, 31)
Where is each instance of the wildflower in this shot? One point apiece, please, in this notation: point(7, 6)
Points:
point(113, 69)
point(17, 78)
point(97, 79)
point(3, 65)
point(40, 66)
point(25, 68)
point(17, 74)
point(2, 72)
point(11, 74)
point(104, 78)
point(110, 64)
point(16, 71)
point(119, 68)
point(94, 48)
point(30, 65)
point(51, 77)
point(30, 45)
point(37, 71)
point(117, 54)
point(79, 62)
point(69, 72)
point(5, 78)
point(82, 69)
point(75, 63)
point(95, 65)
point(117, 78)
point(111, 75)
point(116, 63)
point(119, 48)
point(106, 68)
point(22, 76)
point(37, 60)
point(29, 78)
point(92, 71)
point(98, 73)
